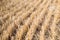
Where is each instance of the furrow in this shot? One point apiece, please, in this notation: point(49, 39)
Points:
point(24, 28)
point(32, 30)
point(17, 22)
point(45, 25)
point(13, 17)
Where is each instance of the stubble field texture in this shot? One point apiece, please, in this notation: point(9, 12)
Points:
point(29, 19)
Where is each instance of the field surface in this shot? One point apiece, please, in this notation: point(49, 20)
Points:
point(29, 19)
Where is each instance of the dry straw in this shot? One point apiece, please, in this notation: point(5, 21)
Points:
point(29, 19)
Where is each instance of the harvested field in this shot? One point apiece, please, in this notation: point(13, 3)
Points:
point(29, 19)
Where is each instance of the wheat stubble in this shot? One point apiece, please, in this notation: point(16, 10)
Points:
point(29, 19)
